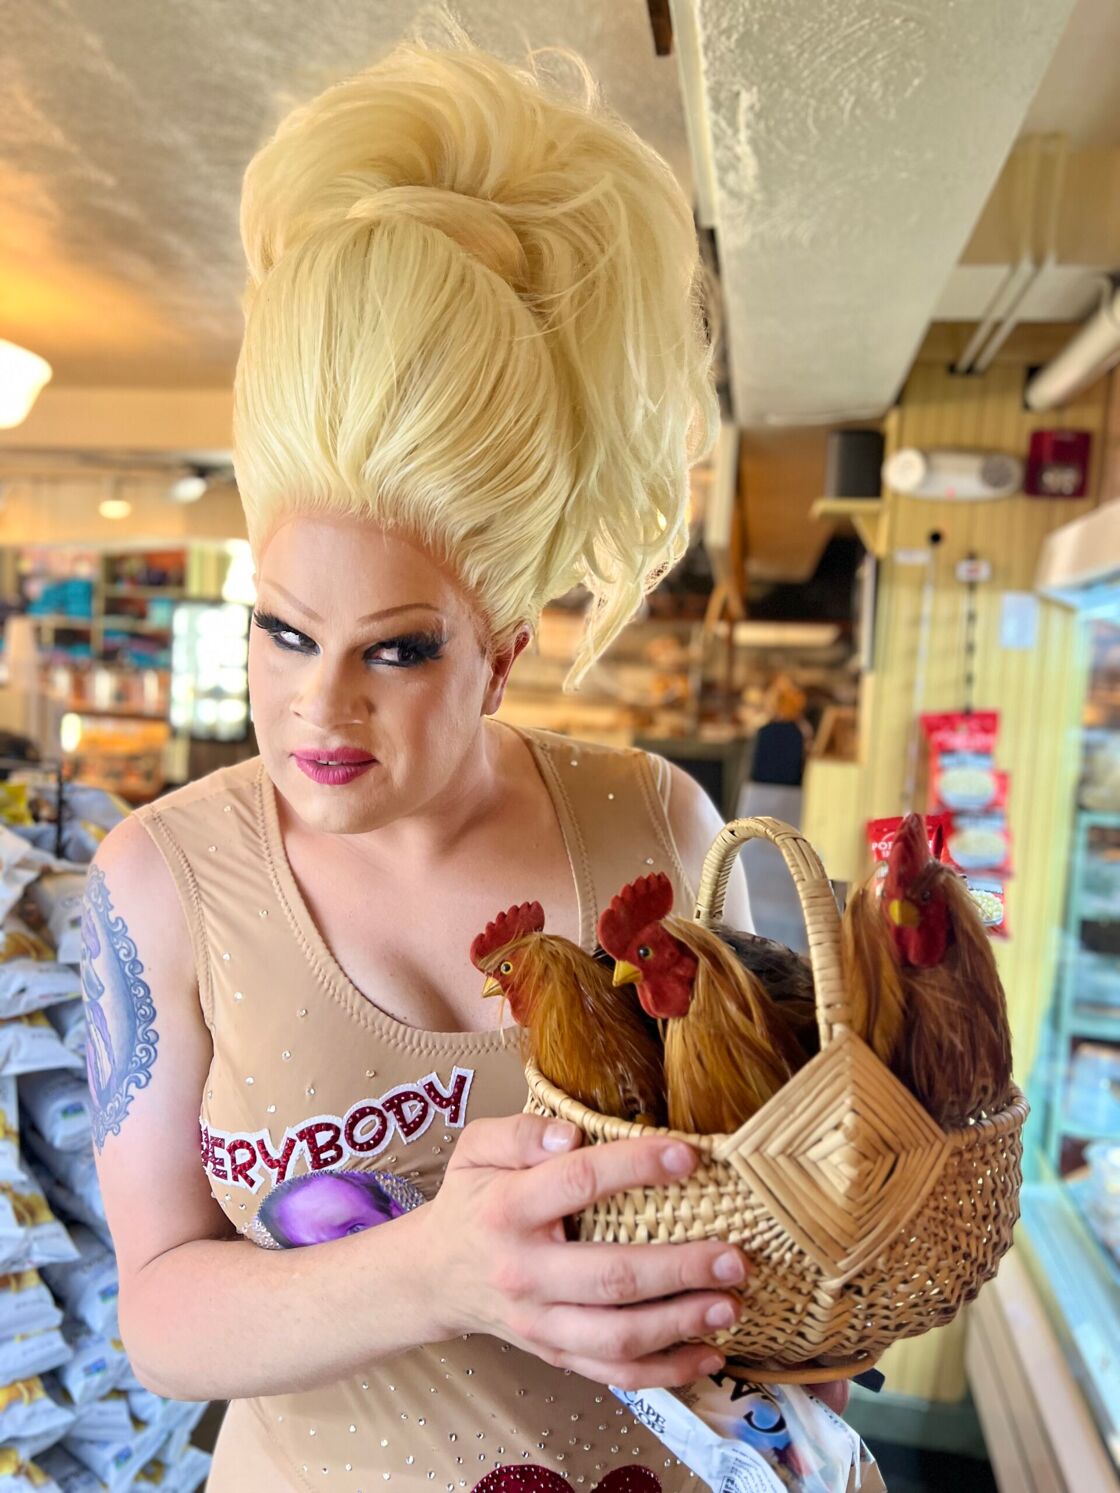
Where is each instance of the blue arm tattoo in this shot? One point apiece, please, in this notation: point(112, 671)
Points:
point(120, 1039)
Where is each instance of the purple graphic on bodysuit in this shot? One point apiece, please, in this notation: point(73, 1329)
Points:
point(320, 1206)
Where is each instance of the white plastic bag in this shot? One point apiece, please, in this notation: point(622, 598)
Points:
point(752, 1438)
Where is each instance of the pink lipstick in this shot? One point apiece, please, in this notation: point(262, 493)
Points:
point(335, 766)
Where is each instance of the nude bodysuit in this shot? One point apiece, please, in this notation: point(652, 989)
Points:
point(322, 1114)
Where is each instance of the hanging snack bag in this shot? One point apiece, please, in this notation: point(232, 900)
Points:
point(97, 1363)
point(69, 1475)
point(961, 771)
point(88, 1288)
point(44, 1240)
point(17, 1475)
point(9, 1131)
point(27, 1414)
point(58, 896)
point(26, 1305)
point(31, 1353)
point(30, 978)
point(29, 1044)
point(59, 1103)
point(981, 842)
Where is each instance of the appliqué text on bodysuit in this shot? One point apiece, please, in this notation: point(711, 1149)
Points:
point(247, 1158)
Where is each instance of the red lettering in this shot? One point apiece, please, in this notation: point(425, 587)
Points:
point(242, 1171)
point(372, 1139)
point(397, 1105)
point(278, 1164)
point(204, 1146)
point(450, 1103)
point(321, 1155)
point(217, 1163)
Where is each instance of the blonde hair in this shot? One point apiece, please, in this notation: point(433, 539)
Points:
point(475, 316)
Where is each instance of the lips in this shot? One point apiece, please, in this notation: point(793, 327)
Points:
point(333, 767)
point(346, 756)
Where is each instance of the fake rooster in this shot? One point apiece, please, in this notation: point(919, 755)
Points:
point(583, 1033)
point(729, 1043)
point(922, 978)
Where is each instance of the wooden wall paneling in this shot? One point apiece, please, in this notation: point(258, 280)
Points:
point(1039, 694)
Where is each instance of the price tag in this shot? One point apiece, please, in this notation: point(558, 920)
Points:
point(971, 572)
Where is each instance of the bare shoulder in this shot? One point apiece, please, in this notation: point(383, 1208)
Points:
point(695, 821)
point(129, 872)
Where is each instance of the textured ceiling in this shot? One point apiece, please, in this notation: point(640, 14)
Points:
point(853, 145)
point(127, 125)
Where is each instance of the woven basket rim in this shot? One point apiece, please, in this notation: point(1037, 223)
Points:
point(609, 1127)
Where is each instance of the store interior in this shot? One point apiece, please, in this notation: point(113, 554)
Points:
point(911, 518)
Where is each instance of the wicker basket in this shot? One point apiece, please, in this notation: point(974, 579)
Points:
point(865, 1221)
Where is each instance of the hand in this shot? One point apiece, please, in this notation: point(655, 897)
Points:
point(616, 1313)
point(835, 1394)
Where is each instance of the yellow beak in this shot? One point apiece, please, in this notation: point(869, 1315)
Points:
point(903, 914)
point(626, 974)
point(491, 986)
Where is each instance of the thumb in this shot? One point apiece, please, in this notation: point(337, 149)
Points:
point(514, 1142)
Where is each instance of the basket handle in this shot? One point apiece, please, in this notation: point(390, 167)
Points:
point(818, 904)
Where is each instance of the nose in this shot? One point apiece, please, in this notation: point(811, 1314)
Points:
point(332, 696)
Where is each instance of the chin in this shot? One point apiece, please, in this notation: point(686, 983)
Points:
point(349, 810)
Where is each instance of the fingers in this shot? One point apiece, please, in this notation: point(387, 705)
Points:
point(575, 1181)
point(514, 1142)
point(621, 1274)
point(835, 1394)
point(630, 1334)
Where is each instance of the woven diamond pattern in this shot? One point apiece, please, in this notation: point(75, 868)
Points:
point(843, 1160)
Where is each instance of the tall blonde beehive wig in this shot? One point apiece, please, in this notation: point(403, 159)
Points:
point(475, 317)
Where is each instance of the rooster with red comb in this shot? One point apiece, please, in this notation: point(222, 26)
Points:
point(923, 983)
point(729, 1043)
point(582, 1032)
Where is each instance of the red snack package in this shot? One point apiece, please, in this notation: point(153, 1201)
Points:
point(881, 833)
point(981, 843)
point(962, 730)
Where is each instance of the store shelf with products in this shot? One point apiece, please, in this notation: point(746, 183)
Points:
point(72, 1412)
point(1086, 1014)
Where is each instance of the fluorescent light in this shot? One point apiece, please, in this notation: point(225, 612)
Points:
point(22, 376)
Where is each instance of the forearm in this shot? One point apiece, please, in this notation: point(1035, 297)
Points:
point(226, 1319)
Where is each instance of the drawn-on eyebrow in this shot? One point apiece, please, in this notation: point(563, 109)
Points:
point(409, 606)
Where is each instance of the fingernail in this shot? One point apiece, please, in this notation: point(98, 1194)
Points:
point(720, 1315)
point(711, 1365)
point(678, 1159)
point(730, 1267)
point(558, 1137)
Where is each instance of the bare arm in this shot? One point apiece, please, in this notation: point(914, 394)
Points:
point(695, 822)
point(208, 1315)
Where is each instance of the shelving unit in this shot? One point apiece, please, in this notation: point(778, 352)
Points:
point(1074, 1019)
point(112, 603)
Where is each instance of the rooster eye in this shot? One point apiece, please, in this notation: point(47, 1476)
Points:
point(505, 968)
point(644, 951)
point(926, 896)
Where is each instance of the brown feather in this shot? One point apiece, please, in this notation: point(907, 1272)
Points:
point(588, 1036)
point(872, 978)
point(733, 1050)
point(956, 1049)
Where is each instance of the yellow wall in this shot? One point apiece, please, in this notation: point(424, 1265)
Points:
point(1038, 694)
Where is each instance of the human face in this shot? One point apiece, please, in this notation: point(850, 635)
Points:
point(329, 1208)
point(363, 648)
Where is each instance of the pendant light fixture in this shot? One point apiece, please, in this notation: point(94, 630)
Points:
point(22, 376)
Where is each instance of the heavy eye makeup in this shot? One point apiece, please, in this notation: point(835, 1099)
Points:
point(411, 648)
